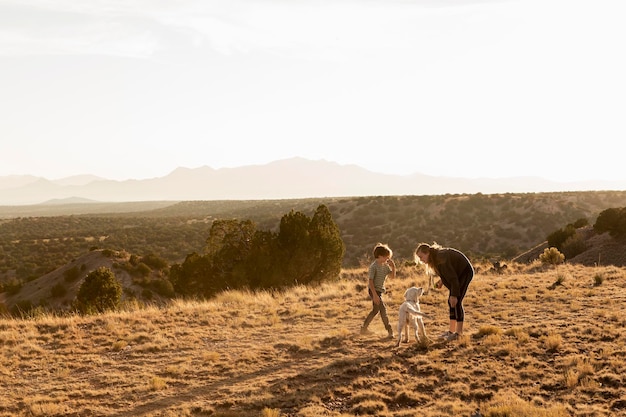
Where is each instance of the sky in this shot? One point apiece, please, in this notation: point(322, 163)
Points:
point(133, 89)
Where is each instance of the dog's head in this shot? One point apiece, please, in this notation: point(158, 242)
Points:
point(413, 293)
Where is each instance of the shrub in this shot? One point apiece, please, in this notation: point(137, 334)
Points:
point(612, 220)
point(557, 238)
point(270, 412)
point(598, 279)
point(552, 342)
point(488, 330)
point(101, 291)
point(551, 256)
point(133, 260)
point(142, 270)
point(164, 288)
point(157, 383)
point(154, 261)
point(574, 245)
point(582, 222)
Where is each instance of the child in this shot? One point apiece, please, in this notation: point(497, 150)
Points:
point(379, 270)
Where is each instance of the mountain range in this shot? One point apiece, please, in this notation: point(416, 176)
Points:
point(282, 179)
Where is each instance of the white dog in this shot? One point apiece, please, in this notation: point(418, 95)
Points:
point(410, 314)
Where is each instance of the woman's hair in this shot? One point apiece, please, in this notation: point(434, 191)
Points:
point(432, 251)
point(382, 250)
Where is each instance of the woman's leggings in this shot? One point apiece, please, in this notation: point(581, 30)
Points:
point(458, 312)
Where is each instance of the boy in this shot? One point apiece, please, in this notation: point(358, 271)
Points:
point(379, 270)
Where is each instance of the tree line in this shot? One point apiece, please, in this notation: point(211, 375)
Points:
point(497, 226)
point(237, 255)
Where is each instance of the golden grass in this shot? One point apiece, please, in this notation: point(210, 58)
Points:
point(531, 348)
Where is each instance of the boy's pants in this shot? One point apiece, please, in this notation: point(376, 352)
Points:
point(378, 308)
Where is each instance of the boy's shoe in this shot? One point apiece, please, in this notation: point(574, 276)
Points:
point(452, 336)
point(445, 335)
point(390, 336)
point(365, 331)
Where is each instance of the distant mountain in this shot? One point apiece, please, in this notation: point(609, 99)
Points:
point(69, 200)
point(15, 181)
point(78, 180)
point(283, 179)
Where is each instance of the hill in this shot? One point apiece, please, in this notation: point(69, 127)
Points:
point(498, 227)
point(539, 342)
point(291, 178)
point(494, 227)
point(151, 286)
point(56, 290)
point(598, 249)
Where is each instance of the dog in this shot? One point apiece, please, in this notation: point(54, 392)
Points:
point(410, 314)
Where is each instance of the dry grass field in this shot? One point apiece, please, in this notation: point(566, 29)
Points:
point(538, 342)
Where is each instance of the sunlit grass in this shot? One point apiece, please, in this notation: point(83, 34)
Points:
point(299, 352)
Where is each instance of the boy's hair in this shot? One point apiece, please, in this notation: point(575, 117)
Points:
point(382, 250)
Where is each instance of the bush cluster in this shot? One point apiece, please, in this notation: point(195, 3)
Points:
point(612, 220)
point(101, 291)
point(568, 240)
point(238, 255)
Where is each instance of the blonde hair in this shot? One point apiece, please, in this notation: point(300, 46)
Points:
point(432, 250)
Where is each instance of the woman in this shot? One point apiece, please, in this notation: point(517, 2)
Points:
point(455, 272)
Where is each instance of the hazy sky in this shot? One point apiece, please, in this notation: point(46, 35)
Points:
point(135, 88)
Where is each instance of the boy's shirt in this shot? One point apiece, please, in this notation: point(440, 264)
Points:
point(378, 273)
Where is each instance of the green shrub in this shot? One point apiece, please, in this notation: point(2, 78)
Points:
point(598, 279)
point(612, 220)
point(574, 245)
point(164, 288)
point(134, 260)
point(101, 291)
point(557, 238)
point(154, 261)
point(142, 270)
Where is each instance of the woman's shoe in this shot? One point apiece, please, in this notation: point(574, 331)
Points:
point(452, 336)
point(445, 335)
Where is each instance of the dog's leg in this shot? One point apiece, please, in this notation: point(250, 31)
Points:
point(406, 330)
point(422, 328)
point(414, 328)
point(415, 311)
point(401, 321)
